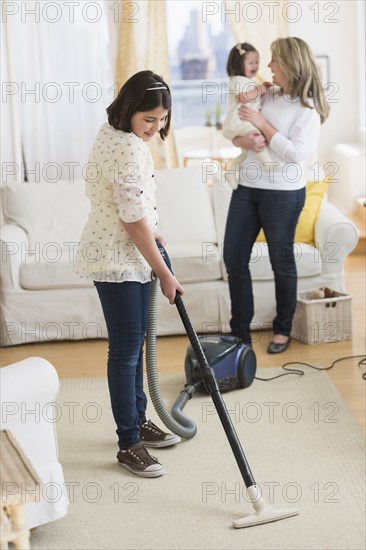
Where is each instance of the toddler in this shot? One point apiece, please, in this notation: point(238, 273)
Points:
point(242, 67)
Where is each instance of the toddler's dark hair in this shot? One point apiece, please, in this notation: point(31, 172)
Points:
point(235, 65)
point(134, 96)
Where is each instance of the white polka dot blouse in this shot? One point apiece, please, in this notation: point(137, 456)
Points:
point(121, 188)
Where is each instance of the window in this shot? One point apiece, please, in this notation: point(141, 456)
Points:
point(199, 44)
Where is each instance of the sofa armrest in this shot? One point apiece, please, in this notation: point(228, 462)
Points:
point(33, 379)
point(28, 391)
point(13, 242)
point(335, 237)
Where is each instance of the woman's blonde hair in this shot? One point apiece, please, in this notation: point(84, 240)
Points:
point(298, 63)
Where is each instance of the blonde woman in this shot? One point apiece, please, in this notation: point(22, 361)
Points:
point(289, 125)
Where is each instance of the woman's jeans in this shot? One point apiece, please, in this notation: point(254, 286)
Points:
point(278, 213)
point(125, 311)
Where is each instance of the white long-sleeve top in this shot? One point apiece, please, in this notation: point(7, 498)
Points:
point(295, 141)
point(121, 188)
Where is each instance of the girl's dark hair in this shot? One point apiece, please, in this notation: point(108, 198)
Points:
point(235, 65)
point(134, 96)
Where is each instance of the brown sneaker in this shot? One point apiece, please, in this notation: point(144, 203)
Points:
point(152, 436)
point(140, 462)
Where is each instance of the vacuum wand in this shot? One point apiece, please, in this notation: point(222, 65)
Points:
point(263, 512)
point(208, 376)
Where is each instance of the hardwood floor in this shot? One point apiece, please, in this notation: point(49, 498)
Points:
point(87, 358)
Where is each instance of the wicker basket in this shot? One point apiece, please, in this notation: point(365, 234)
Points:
point(325, 320)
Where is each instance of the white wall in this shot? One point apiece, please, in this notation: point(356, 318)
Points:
point(337, 30)
point(340, 42)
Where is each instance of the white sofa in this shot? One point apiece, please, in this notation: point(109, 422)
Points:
point(42, 299)
point(29, 411)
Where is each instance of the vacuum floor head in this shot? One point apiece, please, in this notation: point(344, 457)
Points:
point(266, 514)
point(263, 512)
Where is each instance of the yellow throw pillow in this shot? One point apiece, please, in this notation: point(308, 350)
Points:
point(315, 191)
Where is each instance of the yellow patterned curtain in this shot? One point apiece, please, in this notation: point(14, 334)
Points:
point(259, 23)
point(143, 45)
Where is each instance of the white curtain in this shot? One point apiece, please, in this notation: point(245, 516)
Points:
point(11, 146)
point(61, 82)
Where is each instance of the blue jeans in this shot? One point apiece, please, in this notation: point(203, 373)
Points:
point(125, 311)
point(277, 212)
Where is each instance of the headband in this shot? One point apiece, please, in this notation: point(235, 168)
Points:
point(240, 50)
point(160, 86)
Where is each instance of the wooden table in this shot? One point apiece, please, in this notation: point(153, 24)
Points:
point(19, 484)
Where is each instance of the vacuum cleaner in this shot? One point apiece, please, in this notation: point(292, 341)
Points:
point(201, 376)
point(233, 362)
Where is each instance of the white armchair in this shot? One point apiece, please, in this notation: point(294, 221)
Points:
point(28, 392)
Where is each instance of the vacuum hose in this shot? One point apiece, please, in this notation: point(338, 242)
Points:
point(177, 421)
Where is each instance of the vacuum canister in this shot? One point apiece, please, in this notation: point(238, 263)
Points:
point(234, 363)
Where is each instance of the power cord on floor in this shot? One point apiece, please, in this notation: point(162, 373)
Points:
point(299, 372)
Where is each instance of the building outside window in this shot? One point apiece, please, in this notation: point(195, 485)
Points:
point(198, 52)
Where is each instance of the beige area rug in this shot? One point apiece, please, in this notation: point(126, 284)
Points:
point(301, 441)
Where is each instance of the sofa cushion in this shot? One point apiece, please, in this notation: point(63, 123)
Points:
point(49, 212)
point(189, 224)
point(221, 196)
point(190, 231)
point(195, 262)
point(46, 275)
point(191, 263)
